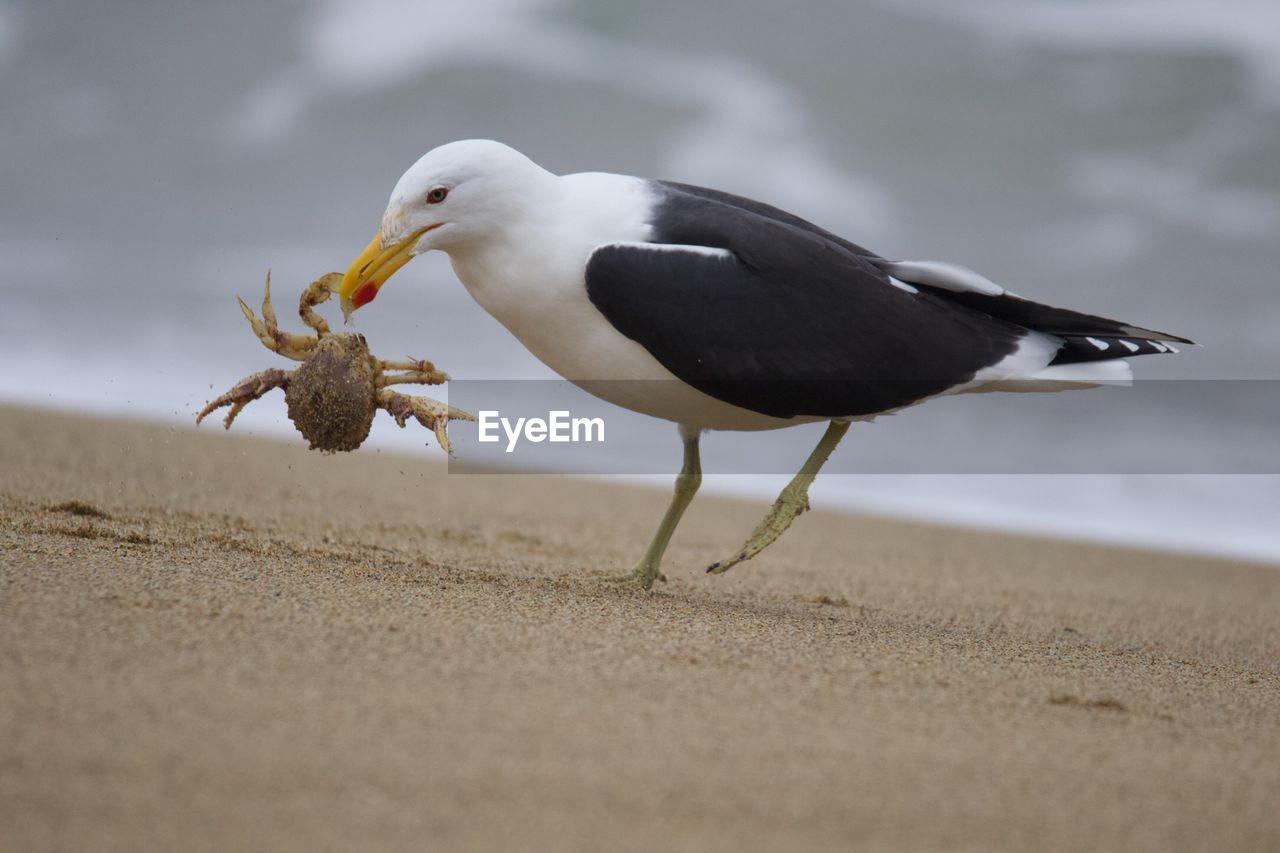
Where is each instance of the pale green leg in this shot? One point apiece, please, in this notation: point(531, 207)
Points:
point(687, 482)
point(793, 501)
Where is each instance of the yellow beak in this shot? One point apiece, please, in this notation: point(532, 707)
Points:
point(373, 267)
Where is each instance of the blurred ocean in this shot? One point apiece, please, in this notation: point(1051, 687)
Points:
point(1116, 157)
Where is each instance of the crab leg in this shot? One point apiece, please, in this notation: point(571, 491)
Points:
point(432, 414)
point(296, 347)
point(318, 291)
point(245, 392)
point(417, 373)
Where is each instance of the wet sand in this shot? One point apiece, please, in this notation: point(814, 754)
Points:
point(211, 641)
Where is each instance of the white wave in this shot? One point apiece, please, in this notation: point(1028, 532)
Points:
point(1178, 182)
point(1090, 243)
point(1174, 196)
point(742, 121)
point(1246, 29)
point(351, 47)
point(8, 30)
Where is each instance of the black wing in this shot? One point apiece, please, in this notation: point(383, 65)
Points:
point(1086, 337)
point(760, 209)
point(789, 322)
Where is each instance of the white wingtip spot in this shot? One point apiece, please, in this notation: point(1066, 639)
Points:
point(1159, 346)
point(1171, 348)
point(1103, 345)
point(1130, 346)
point(902, 285)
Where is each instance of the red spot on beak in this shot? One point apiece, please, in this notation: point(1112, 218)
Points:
point(364, 294)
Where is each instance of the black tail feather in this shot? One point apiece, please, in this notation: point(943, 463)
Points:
point(1105, 347)
point(1114, 339)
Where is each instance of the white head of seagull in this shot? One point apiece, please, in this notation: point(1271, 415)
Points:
point(455, 194)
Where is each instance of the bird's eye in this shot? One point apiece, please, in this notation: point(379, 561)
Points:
point(437, 195)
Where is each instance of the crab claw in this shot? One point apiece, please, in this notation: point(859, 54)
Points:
point(289, 345)
point(432, 414)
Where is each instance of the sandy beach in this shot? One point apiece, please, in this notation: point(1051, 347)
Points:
point(212, 641)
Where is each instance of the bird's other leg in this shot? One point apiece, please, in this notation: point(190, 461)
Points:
point(318, 291)
point(793, 500)
point(687, 482)
point(245, 392)
point(296, 347)
point(432, 414)
point(417, 373)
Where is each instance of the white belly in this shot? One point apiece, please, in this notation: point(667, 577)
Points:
point(550, 313)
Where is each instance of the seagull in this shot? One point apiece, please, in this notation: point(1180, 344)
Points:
point(717, 312)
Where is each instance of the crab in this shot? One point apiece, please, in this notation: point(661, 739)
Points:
point(333, 396)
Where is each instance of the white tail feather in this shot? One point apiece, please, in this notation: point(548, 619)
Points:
point(1063, 377)
point(1028, 369)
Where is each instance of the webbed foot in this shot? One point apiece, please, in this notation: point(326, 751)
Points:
point(643, 575)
